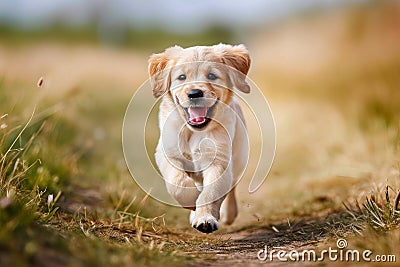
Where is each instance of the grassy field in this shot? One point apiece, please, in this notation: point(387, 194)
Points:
point(67, 198)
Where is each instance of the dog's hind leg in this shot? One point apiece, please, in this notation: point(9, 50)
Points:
point(229, 209)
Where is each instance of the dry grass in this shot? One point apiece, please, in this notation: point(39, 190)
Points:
point(380, 211)
point(332, 82)
point(46, 220)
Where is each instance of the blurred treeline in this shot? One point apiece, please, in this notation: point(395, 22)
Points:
point(146, 39)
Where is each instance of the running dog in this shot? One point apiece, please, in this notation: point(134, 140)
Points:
point(202, 151)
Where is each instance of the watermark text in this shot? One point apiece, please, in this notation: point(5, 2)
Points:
point(338, 253)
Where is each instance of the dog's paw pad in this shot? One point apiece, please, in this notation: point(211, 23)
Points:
point(207, 227)
point(206, 224)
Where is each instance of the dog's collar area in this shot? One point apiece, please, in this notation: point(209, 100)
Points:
point(207, 118)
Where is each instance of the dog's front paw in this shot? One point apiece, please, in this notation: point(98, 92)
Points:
point(205, 224)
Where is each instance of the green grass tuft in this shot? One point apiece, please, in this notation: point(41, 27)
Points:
point(380, 210)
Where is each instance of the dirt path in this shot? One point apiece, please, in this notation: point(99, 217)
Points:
point(237, 247)
point(240, 247)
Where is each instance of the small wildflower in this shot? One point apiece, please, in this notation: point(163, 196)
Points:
point(50, 199)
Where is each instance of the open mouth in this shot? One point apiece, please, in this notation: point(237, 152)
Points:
point(199, 116)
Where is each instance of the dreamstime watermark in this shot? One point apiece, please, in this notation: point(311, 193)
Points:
point(340, 253)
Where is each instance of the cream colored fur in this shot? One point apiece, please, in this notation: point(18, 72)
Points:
point(201, 166)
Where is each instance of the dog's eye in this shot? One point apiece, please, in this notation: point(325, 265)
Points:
point(182, 77)
point(212, 76)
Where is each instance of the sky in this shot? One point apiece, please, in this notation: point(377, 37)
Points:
point(172, 15)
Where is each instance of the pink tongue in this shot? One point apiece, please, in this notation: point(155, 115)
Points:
point(197, 115)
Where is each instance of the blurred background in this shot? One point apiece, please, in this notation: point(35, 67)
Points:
point(329, 69)
point(135, 24)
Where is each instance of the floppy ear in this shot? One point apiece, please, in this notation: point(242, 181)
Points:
point(159, 78)
point(238, 58)
point(159, 69)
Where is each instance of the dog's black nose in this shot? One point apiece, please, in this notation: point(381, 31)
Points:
point(195, 93)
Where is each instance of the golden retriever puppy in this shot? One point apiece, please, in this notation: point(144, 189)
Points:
point(203, 150)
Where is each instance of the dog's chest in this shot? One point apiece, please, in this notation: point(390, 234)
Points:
point(199, 149)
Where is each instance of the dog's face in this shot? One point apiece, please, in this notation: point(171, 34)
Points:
point(199, 79)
